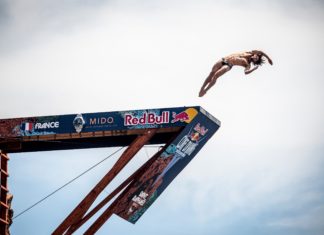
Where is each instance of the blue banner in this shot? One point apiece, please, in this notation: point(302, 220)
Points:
point(92, 122)
point(146, 188)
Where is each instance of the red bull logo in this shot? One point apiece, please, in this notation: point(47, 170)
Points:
point(146, 118)
point(183, 116)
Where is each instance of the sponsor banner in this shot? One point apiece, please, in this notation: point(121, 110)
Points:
point(146, 188)
point(90, 122)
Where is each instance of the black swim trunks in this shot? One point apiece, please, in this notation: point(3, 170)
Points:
point(225, 62)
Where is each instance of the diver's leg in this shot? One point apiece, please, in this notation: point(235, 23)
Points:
point(215, 68)
point(207, 82)
point(219, 73)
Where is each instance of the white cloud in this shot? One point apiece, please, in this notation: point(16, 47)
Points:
point(311, 220)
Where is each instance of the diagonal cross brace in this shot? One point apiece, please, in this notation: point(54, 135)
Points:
point(77, 225)
point(86, 203)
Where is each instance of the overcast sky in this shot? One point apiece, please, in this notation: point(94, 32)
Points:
point(262, 172)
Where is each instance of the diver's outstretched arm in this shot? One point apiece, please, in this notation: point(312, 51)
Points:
point(249, 70)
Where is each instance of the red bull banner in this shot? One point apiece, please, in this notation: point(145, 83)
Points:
point(92, 122)
point(146, 188)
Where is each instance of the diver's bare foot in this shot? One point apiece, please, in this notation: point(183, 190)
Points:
point(202, 93)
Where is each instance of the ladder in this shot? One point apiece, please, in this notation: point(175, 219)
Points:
point(5, 198)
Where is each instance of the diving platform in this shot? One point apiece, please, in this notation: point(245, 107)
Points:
point(183, 131)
